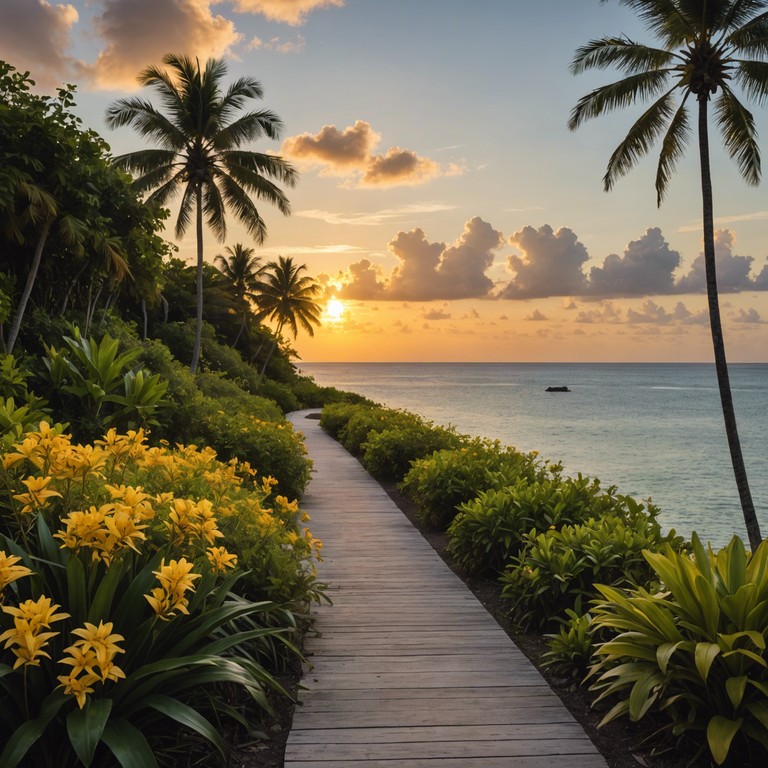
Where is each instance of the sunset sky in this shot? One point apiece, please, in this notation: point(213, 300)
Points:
point(442, 199)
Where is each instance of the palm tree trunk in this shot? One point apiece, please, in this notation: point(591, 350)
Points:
point(271, 350)
point(721, 365)
point(199, 315)
point(144, 317)
point(33, 267)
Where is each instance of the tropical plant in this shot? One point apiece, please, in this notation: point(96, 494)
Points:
point(200, 136)
point(242, 269)
point(693, 654)
point(118, 614)
point(287, 297)
point(709, 46)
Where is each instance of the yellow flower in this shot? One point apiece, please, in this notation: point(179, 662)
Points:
point(37, 494)
point(175, 580)
point(26, 639)
point(267, 484)
point(79, 687)
point(102, 643)
point(220, 559)
point(9, 571)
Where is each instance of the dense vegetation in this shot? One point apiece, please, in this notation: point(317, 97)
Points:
point(659, 629)
point(155, 564)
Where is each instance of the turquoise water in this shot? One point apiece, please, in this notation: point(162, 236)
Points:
point(654, 430)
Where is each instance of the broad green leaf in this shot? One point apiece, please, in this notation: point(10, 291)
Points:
point(186, 715)
point(644, 693)
point(28, 733)
point(705, 654)
point(664, 653)
point(76, 589)
point(105, 594)
point(735, 687)
point(759, 710)
point(128, 745)
point(720, 733)
point(85, 727)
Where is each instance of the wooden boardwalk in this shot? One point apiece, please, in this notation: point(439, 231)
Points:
point(408, 669)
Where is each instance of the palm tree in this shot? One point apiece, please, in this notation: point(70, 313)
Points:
point(200, 135)
point(288, 298)
point(706, 47)
point(242, 269)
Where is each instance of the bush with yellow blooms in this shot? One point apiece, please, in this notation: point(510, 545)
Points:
point(118, 567)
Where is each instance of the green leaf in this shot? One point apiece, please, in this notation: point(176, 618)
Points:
point(664, 653)
point(105, 594)
point(128, 745)
point(705, 654)
point(735, 687)
point(643, 695)
point(28, 733)
point(85, 727)
point(720, 733)
point(76, 589)
point(187, 716)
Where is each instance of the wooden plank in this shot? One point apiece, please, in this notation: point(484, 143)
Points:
point(406, 668)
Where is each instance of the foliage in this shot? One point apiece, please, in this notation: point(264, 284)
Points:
point(571, 647)
point(490, 530)
point(103, 386)
point(693, 654)
point(556, 569)
point(439, 483)
point(364, 421)
point(388, 454)
point(117, 596)
point(335, 417)
point(20, 409)
point(282, 394)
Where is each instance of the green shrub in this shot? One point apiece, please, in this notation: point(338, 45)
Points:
point(273, 448)
point(488, 531)
point(282, 394)
point(388, 454)
point(571, 647)
point(334, 418)
point(439, 483)
point(365, 420)
point(556, 570)
point(694, 654)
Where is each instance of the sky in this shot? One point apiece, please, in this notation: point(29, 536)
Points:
point(443, 204)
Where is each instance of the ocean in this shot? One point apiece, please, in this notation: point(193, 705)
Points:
point(653, 430)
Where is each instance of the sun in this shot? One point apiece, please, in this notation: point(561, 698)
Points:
point(334, 310)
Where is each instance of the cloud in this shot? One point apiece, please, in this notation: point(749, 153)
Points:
point(551, 264)
point(349, 153)
point(278, 45)
point(645, 269)
point(374, 218)
point(132, 42)
point(430, 271)
point(747, 316)
point(536, 316)
point(605, 313)
point(437, 314)
point(35, 35)
point(399, 166)
point(653, 313)
point(732, 271)
point(292, 12)
point(337, 151)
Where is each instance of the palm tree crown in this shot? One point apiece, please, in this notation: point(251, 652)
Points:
point(708, 46)
point(288, 297)
point(200, 135)
point(242, 270)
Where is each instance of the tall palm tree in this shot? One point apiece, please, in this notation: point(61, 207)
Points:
point(242, 269)
point(288, 298)
point(200, 135)
point(707, 47)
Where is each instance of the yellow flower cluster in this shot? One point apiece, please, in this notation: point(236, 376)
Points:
point(105, 530)
point(26, 639)
point(176, 579)
point(92, 660)
point(190, 522)
point(220, 560)
point(9, 571)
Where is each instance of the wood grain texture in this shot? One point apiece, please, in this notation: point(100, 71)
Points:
point(407, 669)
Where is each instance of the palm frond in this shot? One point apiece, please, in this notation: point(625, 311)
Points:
point(243, 207)
point(247, 166)
point(145, 160)
point(237, 95)
point(665, 19)
point(619, 52)
point(188, 205)
point(672, 149)
point(737, 126)
point(165, 187)
point(147, 121)
point(752, 38)
point(641, 137)
point(214, 210)
point(752, 76)
point(623, 93)
point(249, 127)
